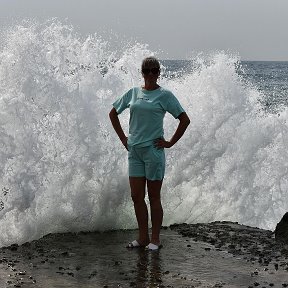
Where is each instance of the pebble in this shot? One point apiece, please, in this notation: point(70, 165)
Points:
point(116, 263)
point(94, 273)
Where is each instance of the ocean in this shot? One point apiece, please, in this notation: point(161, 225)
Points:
point(63, 168)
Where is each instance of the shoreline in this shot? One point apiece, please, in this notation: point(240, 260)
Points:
point(217, 254)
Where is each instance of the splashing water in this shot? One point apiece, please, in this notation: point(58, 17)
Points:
point(63, 168)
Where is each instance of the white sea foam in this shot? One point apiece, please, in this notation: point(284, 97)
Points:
point(63, 168)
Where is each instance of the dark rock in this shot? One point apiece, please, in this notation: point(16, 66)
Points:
point(281, 231)
point(26, 244)
point(13, 247)
point(40, 250)
point(10, 264)
point(94, 273)
point(212, 241)
point(116, 263)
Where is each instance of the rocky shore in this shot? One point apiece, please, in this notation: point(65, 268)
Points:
point(253, 244)
point(218, 254)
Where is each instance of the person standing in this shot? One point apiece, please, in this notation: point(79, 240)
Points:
point(145, 144)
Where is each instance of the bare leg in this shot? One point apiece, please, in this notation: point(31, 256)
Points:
point(154, 188)
point(137, 185)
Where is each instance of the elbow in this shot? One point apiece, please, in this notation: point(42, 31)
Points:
point(187, 120)
point(184, 119)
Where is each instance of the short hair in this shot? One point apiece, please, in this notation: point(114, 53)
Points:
point(150, 61)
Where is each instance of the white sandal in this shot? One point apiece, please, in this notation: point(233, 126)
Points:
point(153, 247)
point(134, 244)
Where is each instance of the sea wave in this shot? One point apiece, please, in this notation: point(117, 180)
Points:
point(63, 168)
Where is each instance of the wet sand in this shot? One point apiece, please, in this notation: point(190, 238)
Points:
point(219, 254)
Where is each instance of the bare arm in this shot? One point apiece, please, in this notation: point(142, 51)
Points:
point(113, 115)
point(182, 126)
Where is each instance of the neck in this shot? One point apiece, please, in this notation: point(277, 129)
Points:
point(150, 86)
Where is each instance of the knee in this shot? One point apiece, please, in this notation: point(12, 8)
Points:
point(154, 200)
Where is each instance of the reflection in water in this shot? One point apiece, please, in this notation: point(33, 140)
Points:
point(148, 269)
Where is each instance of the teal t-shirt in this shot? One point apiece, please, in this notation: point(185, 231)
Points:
point(147, 111)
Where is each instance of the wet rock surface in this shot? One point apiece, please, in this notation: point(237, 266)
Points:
point(219, 254)
point(254, 245)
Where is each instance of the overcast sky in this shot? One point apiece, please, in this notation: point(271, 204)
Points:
point(256, 29)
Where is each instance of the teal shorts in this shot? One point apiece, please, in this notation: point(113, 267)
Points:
point(148, 162)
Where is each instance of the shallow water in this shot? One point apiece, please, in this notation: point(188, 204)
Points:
point(98, 259)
